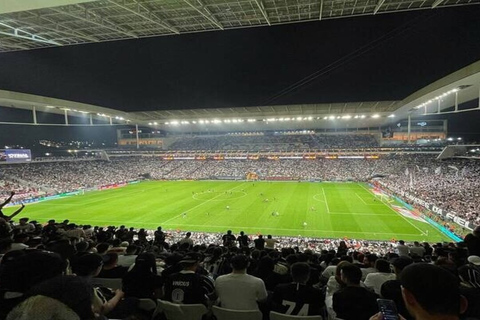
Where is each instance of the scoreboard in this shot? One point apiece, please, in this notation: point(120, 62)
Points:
point(15, 155)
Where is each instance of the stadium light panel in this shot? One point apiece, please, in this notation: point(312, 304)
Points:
point(310, 118)
point(331, 117)
point(363, 116)
point(155, 123)
point(391, 116)
point(375, 116)
point(347, 117)
point(299, 118)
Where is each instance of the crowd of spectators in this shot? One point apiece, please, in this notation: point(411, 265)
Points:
point(275, 142)
point(51, 271)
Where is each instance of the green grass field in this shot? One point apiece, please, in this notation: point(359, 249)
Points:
point(330, 210)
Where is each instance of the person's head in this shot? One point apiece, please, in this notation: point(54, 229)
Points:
point(382, 266)
point(401, 263)
point(242, 233)
point(300, 272)
point(476, 231)
point(110, 259)
point(370, 259)
point(74, 292)
point(188, 234)
point(23, 221)
point(229, 231)
point(131, 249)
point(401, 242)
point(190, 261)
point(260, 236)
point(102, 247)
point(269, 236)
point(351, 274)
point(42, 308)
point(431, 290)
point(239, 262)
point(145, 262)
point(26, 270)
point(88, 265)
point(159, 229)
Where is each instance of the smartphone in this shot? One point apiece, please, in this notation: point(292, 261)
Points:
point(388, 309)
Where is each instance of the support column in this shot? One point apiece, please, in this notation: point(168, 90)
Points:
point(136, 136)
point(111, 121)
point(456, 101)
point(409, 125)
point(66, 116)
point(91, 119)
point(438, 106)
point(34, 113)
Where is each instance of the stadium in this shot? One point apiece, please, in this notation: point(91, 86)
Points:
point(148, 156)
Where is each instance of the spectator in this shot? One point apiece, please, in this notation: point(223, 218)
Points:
point(187, 242)
point(402, 249)
point(369, 265)
point(270, 242)
point(129, 257)
point(391, 289)
point(354, 302)
point(259, 242)
point(110, 268)
point(243, 239)
point(298, 298)
point(188, 286)
point(142, 281)
point(238, 290)
point(431, 292)
point(472, 240)
point(228, 239)
point(375, 280)
point(417, 249)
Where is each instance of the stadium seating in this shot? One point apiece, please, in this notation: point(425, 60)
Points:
point(229, 314)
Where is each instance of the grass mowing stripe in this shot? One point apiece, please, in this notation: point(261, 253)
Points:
point(404, 218)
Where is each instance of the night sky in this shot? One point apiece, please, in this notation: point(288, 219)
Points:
point(383, 57)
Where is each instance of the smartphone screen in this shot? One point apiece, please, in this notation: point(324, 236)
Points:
point(388, 309)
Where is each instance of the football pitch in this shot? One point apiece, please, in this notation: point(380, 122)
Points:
point(307, 209)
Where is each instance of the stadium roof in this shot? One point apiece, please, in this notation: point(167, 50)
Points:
point(458, 88)
point(28, 25)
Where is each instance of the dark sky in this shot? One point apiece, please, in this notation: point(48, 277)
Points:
point(379, 57)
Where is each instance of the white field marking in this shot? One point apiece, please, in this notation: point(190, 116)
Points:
point(315, 198)
point(368, 204)
point(361, 198)
point(242, 196)
point(201, 204)
point(388, 206)
point(326, 201)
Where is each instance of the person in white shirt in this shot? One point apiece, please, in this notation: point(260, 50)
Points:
point(402, 249)
point(417, 249)
point(239, 290)
point(376, 279)
point(270, 243)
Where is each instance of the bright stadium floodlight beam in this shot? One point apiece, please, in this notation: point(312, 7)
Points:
point(376, 116)
point(391, 116)
point(152, 123)
point(331, 117)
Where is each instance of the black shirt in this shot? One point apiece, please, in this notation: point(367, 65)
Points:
point(259, 243)
point(188, 288)
point(355, 303)
point(297, 299)
point(141, 284)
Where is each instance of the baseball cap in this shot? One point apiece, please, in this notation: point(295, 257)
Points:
point(191, 257)
point(401, 262)
point(474, 260)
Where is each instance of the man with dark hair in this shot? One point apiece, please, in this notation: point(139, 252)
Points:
point(239, 290)
point(187, 286)
point(369, 265)
point(431, 292)
point(228, 239)
point(375, 280)
point(159, 237)
point(472, 240)
point(392, 290)
point(110, 267)
point(354, 302)
point(243, 239)
point(187, 241)
point(259, 242)
point(297, 297)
